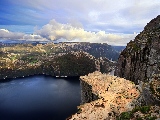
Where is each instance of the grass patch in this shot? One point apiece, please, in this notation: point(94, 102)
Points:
point(125, 116)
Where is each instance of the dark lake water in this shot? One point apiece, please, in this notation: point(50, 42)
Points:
point(39, 98)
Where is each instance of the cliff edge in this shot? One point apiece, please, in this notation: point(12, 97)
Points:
point(140, 62)
point(114, 96)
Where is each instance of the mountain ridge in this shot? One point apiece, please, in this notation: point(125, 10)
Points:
point(140, 61)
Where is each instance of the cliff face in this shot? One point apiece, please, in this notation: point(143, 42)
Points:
point(86, 93)
point(140, 60)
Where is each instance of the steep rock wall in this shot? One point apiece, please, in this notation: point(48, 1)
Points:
point(140, 60)
point(86, 93)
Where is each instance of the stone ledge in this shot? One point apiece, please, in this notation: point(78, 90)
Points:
point(115, 96)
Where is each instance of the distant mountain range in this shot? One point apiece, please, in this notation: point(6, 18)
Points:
point(95, 49)
point(119, 48)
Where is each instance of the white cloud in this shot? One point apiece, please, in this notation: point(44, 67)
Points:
point(8, 35)
point(111, 16)
point(93, 11)
point(55, 31)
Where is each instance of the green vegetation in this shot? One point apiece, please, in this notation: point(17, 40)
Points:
point(125, 116)
point(130, 114)
point(62, 59)
point(150, 118)
point(135, 47)
point(143, 109)
point(139, 118)
point(71, 64)
point(33, 62)
point(32, 59)
point(13, 57)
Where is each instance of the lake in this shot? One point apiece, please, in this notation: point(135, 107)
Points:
point(39, 98)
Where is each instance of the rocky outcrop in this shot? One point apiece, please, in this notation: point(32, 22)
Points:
point(140, 60)
point(114, 96)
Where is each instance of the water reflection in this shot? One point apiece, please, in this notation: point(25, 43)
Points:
point(39, 97)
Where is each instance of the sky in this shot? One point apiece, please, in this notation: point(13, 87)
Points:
point(115, 22)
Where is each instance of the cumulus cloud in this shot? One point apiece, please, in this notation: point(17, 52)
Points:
point(111, 16)
point(73, 32)
point(55, 31)
point(8, 35)
point(119, 18)
point(119, 13)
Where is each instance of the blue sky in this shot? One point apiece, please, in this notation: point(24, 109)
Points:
point(111, 21)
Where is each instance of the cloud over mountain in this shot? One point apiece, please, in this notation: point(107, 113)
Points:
point(55, 31)
point(73, 32)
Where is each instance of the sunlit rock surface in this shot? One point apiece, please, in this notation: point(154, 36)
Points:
point(115, 94)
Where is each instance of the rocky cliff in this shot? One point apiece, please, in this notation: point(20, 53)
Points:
point(140, 61)
point(106, 96)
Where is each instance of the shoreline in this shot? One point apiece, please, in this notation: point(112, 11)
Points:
point(45, 75)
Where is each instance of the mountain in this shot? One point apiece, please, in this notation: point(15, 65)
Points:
point(140, 62)
point(135, 98)
point(119, 49)
point(96, 49)
point(17, 60)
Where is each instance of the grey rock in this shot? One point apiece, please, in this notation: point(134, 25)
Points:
point(140, 60)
